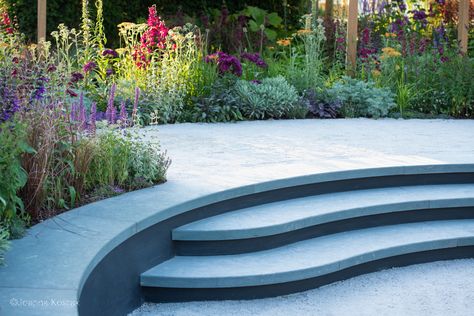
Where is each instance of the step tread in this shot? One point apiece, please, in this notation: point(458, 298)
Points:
point(284, 216)
point(309, 258)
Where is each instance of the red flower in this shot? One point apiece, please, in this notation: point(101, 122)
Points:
point(154, 38)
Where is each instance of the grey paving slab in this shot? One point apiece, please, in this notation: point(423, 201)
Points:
point(285, 216)
point(309, 258)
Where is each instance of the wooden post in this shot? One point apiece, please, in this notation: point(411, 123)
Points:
point(463, 25)
point(351, 53)
point(41, 20)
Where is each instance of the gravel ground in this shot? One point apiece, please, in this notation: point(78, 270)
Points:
point(228, 155)
point(432, 289)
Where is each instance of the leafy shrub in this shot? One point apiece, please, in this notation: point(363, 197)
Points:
point(4, 244)
point(123, 160)
point(12, 211)
point(321, 104)
point(270, 98)
point(221, 105)
point(360, 98)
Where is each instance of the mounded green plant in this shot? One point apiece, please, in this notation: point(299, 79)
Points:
point(12, 209)
point(124, 160)
point(362, 99)
point(220, 105)
point(270, 98)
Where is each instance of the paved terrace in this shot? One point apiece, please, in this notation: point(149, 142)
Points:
point(208, 158)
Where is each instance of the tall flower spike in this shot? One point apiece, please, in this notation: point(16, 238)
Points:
point(72, 115)
point(81, 112)
point(135, 105)
point(123, 115)
point(111, 112)
point(93, 118)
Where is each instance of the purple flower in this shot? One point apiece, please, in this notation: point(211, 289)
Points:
point(419, 15)
point(73, 114)
point(135, 104)
point(9, 104)
point(109, 72)
point(110, 53)
point(39, 93)
point(111, 111)
point(255, 58)
point(225, 63)
point(93, 118)
point(402, 6)
point(89, 66)
point(441, 2)
point(123, 117)
point(76, 77)
point(51, 68)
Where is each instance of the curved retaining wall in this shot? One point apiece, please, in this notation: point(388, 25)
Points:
point(94, 255)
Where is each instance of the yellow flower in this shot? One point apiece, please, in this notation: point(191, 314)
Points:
point(284, 42)
point(389, 52)
point(390, 35)
point(304, 32)
point(121, 51)
point(126, 25)
point(376, 73)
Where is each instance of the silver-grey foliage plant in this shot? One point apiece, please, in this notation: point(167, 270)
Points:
point(270, 98)
point(362, 98)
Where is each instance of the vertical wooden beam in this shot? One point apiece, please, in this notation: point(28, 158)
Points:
point(463, 25)
point(351, 53)
point(41, 20)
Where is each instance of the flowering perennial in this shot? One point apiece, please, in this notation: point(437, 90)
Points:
point(226, 63)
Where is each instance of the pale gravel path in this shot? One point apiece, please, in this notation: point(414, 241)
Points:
point(443, 288)
point(229, 155)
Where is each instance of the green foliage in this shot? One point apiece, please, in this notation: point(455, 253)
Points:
point(14, 177)
point(262, 21)
point(4, 244)
point(362, 98)
point(272, 98)
point(424, 84)
point(124, 160)
point(220, 106)
point(175, 75)
point(303, 61)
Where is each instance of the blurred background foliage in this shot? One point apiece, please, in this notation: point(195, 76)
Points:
point(69, 12)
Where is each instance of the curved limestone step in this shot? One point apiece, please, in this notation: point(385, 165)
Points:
point(375, 206)
point(307, 259)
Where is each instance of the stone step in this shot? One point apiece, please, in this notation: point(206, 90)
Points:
point(251, 228)
point(312, 259)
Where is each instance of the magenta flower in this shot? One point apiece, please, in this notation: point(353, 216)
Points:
point(110, 53)
point(89, 66)
point(76, 77)
point(225, 63)
point(255, 58)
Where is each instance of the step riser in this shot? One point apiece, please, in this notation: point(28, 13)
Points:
point(300, 191)
point(228, 247)
point(159, 295)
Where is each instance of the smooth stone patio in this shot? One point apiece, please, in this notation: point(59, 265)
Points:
point(208, 158)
